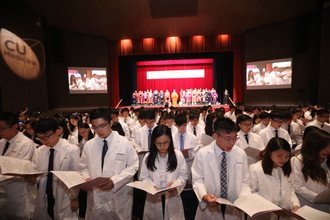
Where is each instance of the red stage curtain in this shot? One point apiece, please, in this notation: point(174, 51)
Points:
point(181, 83)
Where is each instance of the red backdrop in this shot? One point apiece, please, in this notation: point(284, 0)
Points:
point(181, 83)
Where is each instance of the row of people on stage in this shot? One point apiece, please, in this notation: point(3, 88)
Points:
point(192, 96)
point(287, 172)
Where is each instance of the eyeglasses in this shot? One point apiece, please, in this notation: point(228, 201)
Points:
point(164, 144)
point(44, 137)
point(100, 126)
point(228, 138)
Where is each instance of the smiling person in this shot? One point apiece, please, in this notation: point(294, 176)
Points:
point(163, 166)
point(270, 177)
point(220, 170)
point(14, 196)
point(111, 155)
point(311, 168)
point(54, 200)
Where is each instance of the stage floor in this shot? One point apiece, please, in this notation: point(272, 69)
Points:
point(181, 106)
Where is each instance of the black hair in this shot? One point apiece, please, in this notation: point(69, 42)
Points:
point(114, 112)
point(150, 114)
point(64, 124)
point(172, 161)
point(322, 111)
point(103, 113)
point(193, 116)
point(45, 125)
point(9, 118)
point(90, 133)
point(277, 114)
point(180, 119)
point(264, 115)
point(243, 118)
point(169, 116)
point(225, 125)
point(315, 141)
point(124, 110)
point(209, 121)
point(275, 144)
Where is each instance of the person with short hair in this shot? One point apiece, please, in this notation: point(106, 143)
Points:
point(15, 200)
point(220, 170)
point(162, 167)
point(108, 155)
point(277, 118)
point(321, 120)
point(270, 177)
point(54, 200)
point(143, 135)
point(265, 118)
point(193, 126)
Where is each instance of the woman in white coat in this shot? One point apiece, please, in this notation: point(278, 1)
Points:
point(270, 177)
point(311, 169)
point(163, 166)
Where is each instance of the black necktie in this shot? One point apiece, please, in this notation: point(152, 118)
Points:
point(149, 139)
point(289, 129)
point(247, 138)
point(322, 125)
point(6, 148)
point(49, 184)
point(194, 131)
point(104, 151)
point(276, 133)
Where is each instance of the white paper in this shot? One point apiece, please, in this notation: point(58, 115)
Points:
point(323, 197)
point(310, 213)
point(254, 204)
point(17, 167)
point(252, 152)
point(138, 148)
point(149, 188)
point(206, 140)
point(224, 201)
point(73, 179)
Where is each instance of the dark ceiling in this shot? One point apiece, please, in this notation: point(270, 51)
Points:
point(117, 19)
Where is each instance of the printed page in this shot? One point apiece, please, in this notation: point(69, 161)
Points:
point(17, 167)
point(252, 152)
point(323, 197)
point(224, 201)
point(254, 204)
point(310, 213)
point(149, 188)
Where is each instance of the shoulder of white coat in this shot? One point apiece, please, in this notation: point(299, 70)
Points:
point(69, 146)
point(237, 150)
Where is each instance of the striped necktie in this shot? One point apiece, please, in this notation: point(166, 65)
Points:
point(223, 176)
point(181, 142)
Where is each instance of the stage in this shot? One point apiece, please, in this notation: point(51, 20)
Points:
point(216, 106)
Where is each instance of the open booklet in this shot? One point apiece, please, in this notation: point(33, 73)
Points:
point(304, 213)
point(17, 167)
point(252, 204)
point(253, 152)
point(323, 197)
point(150, 188)
point(137, 147)
point(73, 179)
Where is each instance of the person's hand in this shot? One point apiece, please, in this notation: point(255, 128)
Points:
point(107, 186)
point(209, 199)
point(87, 188)
point(74, 205)
point(295, 208)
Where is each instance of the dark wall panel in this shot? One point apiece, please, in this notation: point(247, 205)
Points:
point(299, 39)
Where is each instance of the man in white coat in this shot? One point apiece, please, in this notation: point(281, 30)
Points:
point(15, 200)
point(194, 128)
point(108, 155)
point(322, 117)
point(54, 199)
point(277, 118)
point(220, 170)
point(247, 139)
point(143, 135)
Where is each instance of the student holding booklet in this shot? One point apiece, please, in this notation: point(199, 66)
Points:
point(270, 177)
point(54, 200)
point(311, 170)
point(163, 167)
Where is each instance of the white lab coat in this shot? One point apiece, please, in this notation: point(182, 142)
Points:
point(258, 127)
point(125, 129)
point(276, 188)
point(120, 164)
point(199, 130)
point(66, 159)
point(269, 132)
point(141, 137)
point(173, 203)
point(295, 132)
point(190, 143)
point(254, 142)
point(16, 201)
point(206, 180)
point(316, 123)
point(306, 191)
